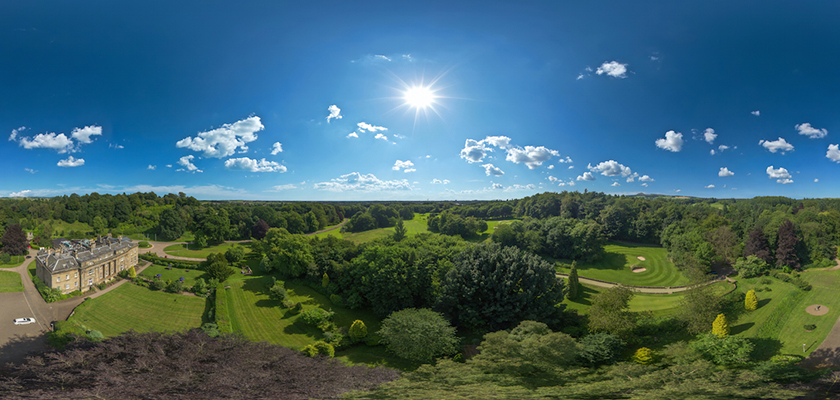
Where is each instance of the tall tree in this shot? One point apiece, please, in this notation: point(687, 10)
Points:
point(757, 245)
point(14, 241)
point(171, 225)
point(610, 312)
point(786, 250)
point(574, 282)
point(720, 327)
point(399, 231)
point(260, 229)
point(750, 301)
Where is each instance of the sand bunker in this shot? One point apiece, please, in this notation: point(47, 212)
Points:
point(641, 258)
point(640, 270)
point(817, 309)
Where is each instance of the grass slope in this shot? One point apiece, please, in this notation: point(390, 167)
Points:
point(657, 304)
point(131, 307)
point(619, 257)
point(182, 250)
point(10, 282)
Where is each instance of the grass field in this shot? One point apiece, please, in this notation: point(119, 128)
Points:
point(619, 257)
point(418, 224)
point(657, 304)
point(182, 250)
point(174, 274)
point(131, 307)
point(10, 282)
point(15, 261)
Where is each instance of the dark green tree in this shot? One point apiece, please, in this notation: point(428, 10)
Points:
point(14, 241)
point(574, 282)
point(786, 246)
point(235, 254)
point(418, 335)
point(399, 231)
point(217, 267)
point(528, 349)
point(610, 312)
point(171, 225)
point(99, 225)
point(599, 349)
point(289, 254)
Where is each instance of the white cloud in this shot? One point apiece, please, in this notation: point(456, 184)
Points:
point(59, 142)
point(116, 146)
point(515, 187)
point(71, 162)
point(816, 180)
point(474, 151)
point(22, 193)
point(287, 186)
point(168, 165)
point(710, 187)
point(587, 176)
point(186, 162)
point(678, 190)
point(571, 167)
point(381, 136)
point(82, 135)
point(613, 68)
point(645, 184)
point(440, 182)
point(491, 169)
point(615, 184)
point(355, 181)
point(364, 126)
point(833, 153)
point(501, 142)
point(632, 177)
point(709, 135)
point(497, 186)
point(276, 148)
point(335, 112)
point(579, 77)
point(223, 141)
point(645, 178)
point(552, 179)
point(381, 57)
point(13, 135)
point(565, 160)
point(723, 147)
point(253, 165)
point(571, 182)
point(550, 167)
point(152, 167)
point(610, 168)
point(673, 141)
point(532, 156)
point(406, 165)
point(776, 145)
point(781, 175)
point(756, 113)
point(813, 133)
point(352, 135)
point(30, 170)
point(725, 172)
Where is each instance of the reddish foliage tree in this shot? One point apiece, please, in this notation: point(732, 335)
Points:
point(757, 245)
point(786, 250)
point(260, 229)
point(14, 241)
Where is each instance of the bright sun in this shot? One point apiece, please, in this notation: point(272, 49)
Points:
point(419, 97)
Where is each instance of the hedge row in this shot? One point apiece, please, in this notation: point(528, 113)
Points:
point(794, 280)
point(222, 317)
point(184, 264)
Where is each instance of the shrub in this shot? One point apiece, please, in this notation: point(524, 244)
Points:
point(200, 287)
point(144, 244)
point(751, 266)
point(278, 292)
point(316, 316)
point(720, 327)
point(794, 280)
point(211, 329)
point(156, 284)
point(132, 273)
point(288, 304)
point(95, 335)
point(175, 286)
point(643, 356)
point(5, 257)
point(418, 334)
point(319, 347)
point(751, 301)
point(358, 330)
point(810, 327)
point(728, 350)
point(337, 300)
point(600, 348)
point(325, 281)
point(764, 281)
point(102, 286)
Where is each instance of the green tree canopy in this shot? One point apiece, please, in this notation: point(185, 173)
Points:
point(14, 241)
point(418, 334)
point(610, 312)
point(289, 254)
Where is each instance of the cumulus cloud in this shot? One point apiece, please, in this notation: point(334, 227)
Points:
point(14, 134)
point(406, 165)
point(610, 168)
point(381, 136)
point(335, 112)
point(276, 148)
point(645, 178)
point(253, 165)
point(352, 135)
point(440, 182)
point(225, 140)
point(287, 186)
point(673, 141)
point(756, 113)
point(497, 186)
point(777, 145)
point(550, 167)
point(474, 151)
point(71, 162)
point(515, 187)
point(587, 176)
point(710, 187)
point(355, 181)
point(833, 153)
point(501, 142)
point(364, 126)
point(82, 135)
point(709, 135)
point(725, 172)
point(30, 170)
point(615, 184)
point(565, 160)
point(58, 142)
point(490, 169)
point(613, 69)
point(186, 162)
point(152, 167)
point(532, 156)
point(552, 179)
point(816, 180)
point(780, 174)
point(571, 182)
point(22, 193)
point(813, 133)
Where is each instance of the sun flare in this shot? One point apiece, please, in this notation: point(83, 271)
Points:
point(419, 97)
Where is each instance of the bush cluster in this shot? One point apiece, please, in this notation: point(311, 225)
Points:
point(794, 280)
point(184, 264)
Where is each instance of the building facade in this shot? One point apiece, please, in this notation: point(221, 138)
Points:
point(81, 263)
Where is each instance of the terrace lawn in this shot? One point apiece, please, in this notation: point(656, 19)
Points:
point(174, 274)
point(182, 250)
point(10, 282)
point(619, 257)
point(131, 307)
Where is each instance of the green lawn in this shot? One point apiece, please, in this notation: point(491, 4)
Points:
point(658, 304)
point(133, 307)
point(182, 250)
point(10, 282)
point(778, 323)
point(14, 262)
point(174, 274)
point(619, 257)
point(418, 224)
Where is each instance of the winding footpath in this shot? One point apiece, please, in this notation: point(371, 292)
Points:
point(642, 289)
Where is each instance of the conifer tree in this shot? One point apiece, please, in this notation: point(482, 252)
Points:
point(399, 231)
point(757, 245)
point(751, 301)
point(132, 273)
point(574, 283)
point(643, 356)
point(325, 281)
point(720, 327)
point(786, 249)
point(358, 330)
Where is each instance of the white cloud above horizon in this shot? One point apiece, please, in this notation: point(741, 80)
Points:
point(673, 141)
point(709, 135)
point(186, 162)
point(725, 172)
point(781, 175)
point(225, 140)
point(780, 145)
point(833, 153)
point(276, 148)
point(335, 113)
point(490, 169)
point(355, 181)
point(71, 162)
point(253, 165)
point(406, 166)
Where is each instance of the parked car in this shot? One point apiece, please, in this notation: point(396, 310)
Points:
point(24, 321)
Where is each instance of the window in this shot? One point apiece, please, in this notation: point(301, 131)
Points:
point(67, 286)
point(76, 275)
point(67, 277)
point(58, 279)
point(77, 284)
point(90, 271)
point(90, 282)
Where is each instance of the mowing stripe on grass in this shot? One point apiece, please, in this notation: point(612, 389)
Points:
point(772, 325)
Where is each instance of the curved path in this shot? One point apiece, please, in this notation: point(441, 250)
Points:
point(640, 289)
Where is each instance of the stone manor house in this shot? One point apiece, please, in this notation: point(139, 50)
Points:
point(79, 264)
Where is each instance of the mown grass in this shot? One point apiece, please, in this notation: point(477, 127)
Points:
point(615, 266)
point(418, 224)
point(131, 307)
point(174, 274)
point(657, 304)
point(183, 250)
point(10, 282)
point(14, 262)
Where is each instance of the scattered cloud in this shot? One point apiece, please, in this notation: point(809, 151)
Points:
point(352, 135)
point(440, 182)
point(777, 145)
point(579, 77)
point(30, 170)
point(22, 193)
point(58, 142)
point(501, 142)
point(673, 141)
point(276, 148)
point(253, 165)
point(152, 167)
point(645, 184)
point(225, 140)
point(816, 180)
point(756, 113)
point(355, 181)
point(571, 182)
point(287, 186)
point(565, 160)
point(780, 174)
point(364, 126)
point(709, 187)
point(571, 167)
point(515, 187)
point(497, 186)
point(709, 135)
point(14, 134)
point(406, 165)
point(532, 156)
point(168, 165)
point(115, 146)
point(82, 135)
point(833, 153)
point(381, 136)
point(335, 113)
point(587, 176)
point(613, 69)
point(474, 151)
point(186, 162)
point(615, 184)
point(645, 178)
point(490, 169)
point(610, 168)
point(813, 133)
point(71, 162)
point(552, 179)
point(550, 167)
point(725, 172)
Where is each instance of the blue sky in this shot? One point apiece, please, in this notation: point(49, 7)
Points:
point(307, 100)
